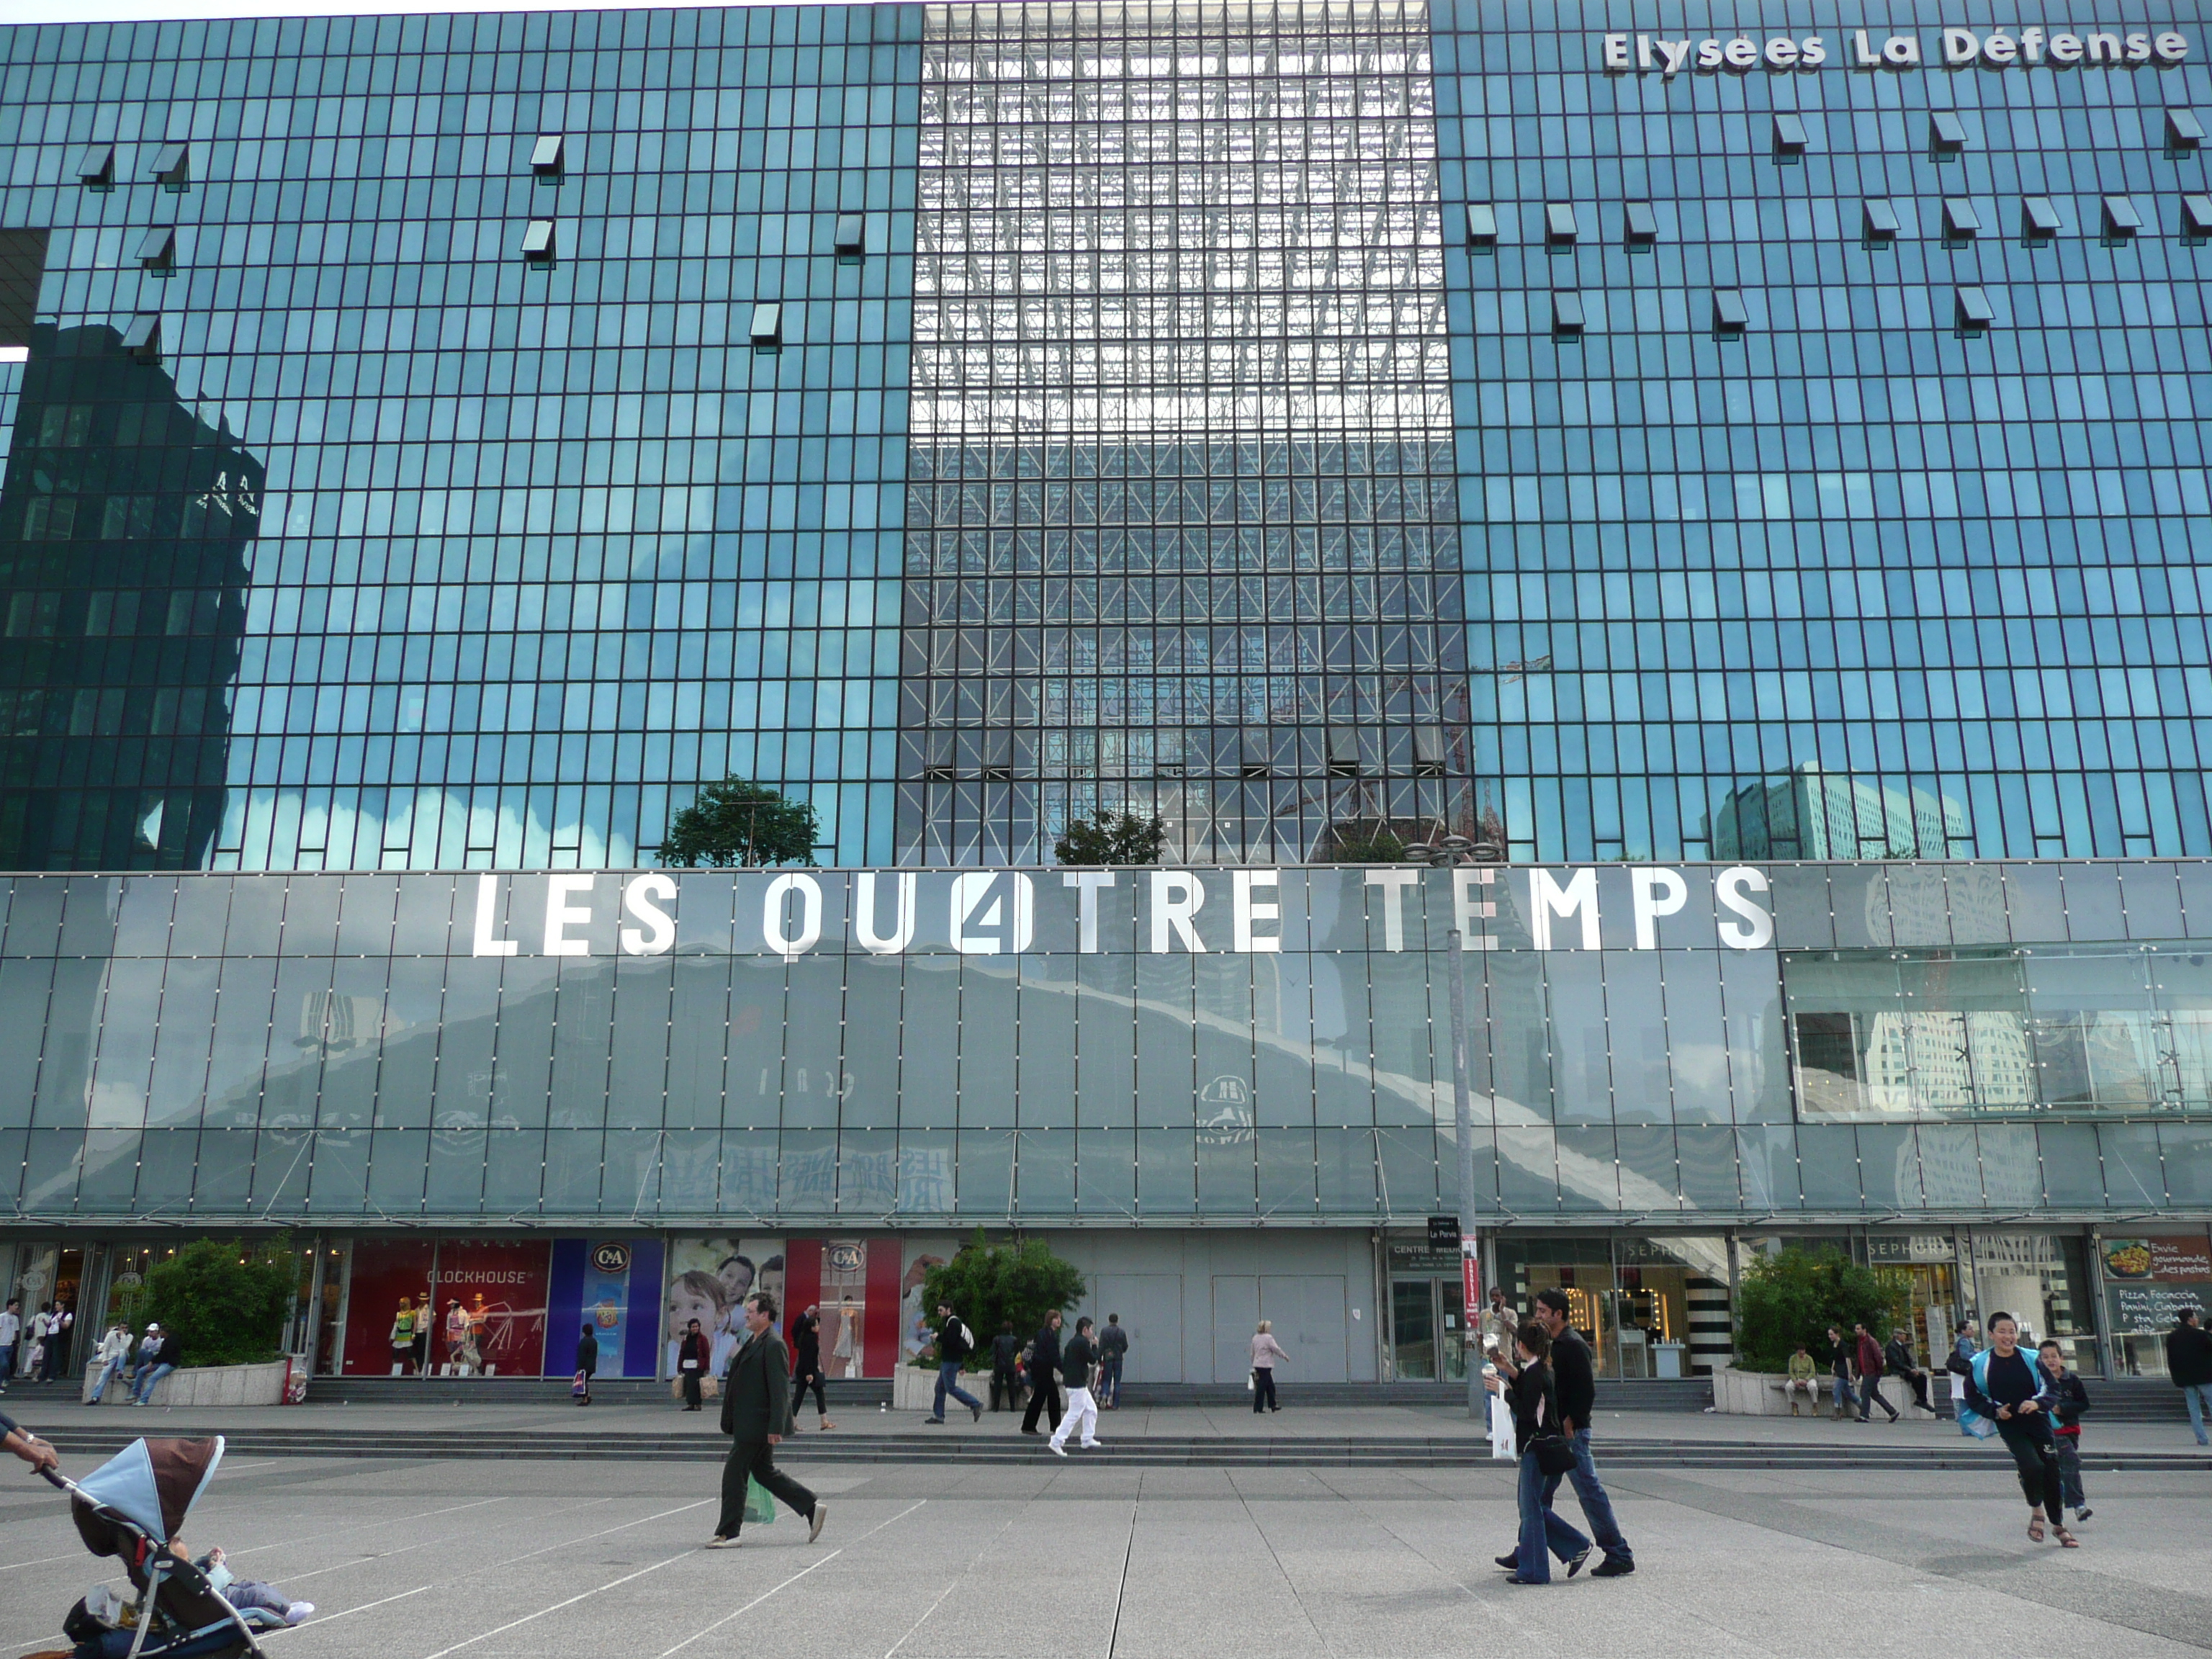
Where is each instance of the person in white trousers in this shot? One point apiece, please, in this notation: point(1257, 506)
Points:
point(1078, 1368)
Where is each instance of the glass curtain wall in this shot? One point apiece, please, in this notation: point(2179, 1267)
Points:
point(1181, 520)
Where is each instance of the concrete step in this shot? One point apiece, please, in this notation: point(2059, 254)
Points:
point(1152, 1451)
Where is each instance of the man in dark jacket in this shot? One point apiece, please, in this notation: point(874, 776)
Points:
point(2188, 1362)
point(1006, 1356)
point(1839, 1372)
point(159, 1353)
point(1113, 1349)
point(1044, 1373)
point(1574, 1374)
point(954, 1345)
point(1867, 1352)
point(1896, 1358)
point(756, 1415)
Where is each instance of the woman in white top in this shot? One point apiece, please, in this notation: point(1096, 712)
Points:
point(1267, 1352)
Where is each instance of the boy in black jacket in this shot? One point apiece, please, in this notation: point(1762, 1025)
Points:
point(2066, 1423)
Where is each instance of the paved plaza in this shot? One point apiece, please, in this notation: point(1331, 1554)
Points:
point(437, 1559)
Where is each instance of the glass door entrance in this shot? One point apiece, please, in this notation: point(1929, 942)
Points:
point(1428, 1316)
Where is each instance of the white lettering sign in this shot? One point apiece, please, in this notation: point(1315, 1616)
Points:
point(1961, 48)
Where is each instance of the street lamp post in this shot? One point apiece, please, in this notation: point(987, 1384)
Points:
point(1463, 1121)
point(1451, 851)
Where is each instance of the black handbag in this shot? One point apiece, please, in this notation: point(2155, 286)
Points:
point(1555, 1454)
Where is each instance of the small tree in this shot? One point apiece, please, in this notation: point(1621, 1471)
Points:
point(1112, 838)
point(226, 1302)
point(989, 1285)
point(1795, 1296)
point(737, 822)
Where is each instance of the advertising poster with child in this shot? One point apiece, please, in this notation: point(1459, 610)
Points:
point(708, 1279)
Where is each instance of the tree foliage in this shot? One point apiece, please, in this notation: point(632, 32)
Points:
point(742, 823)
point(989, 1284)
point(1370, 844)
point(225, 1301)
point(1795, 1296)
point(1112, 838)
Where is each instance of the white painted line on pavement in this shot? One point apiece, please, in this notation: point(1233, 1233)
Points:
point(891, 1652)
point(516, 1624)
point(749, 1606)
point(794, 1579)
point(43, 1561)
point(325, 1618)
point(371, 1526)
point(365, 1557)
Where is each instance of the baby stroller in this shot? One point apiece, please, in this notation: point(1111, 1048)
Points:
point(130, 1507)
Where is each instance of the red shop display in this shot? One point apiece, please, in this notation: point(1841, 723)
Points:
point(498, 1327)
point(384, 1271)
point(492, 1300)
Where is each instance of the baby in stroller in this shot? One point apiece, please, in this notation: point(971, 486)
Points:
point(133, 1508)
point(242, 1592)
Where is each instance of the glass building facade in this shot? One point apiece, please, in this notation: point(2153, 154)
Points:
point(1753, 475)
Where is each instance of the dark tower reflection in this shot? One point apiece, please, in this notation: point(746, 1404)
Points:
point(124, 524)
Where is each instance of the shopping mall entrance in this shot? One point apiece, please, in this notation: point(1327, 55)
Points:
point(1428, 1315)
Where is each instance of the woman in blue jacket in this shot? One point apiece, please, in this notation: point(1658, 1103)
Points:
point(2007, 1387)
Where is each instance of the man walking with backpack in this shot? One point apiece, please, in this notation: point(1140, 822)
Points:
point(954, 1345)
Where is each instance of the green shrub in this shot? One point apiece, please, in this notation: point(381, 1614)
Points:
point(1794, 1296)
point(225, 1301)
point(989, 1284)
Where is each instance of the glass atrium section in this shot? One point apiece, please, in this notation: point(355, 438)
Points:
point(546, 538)
point(1860, 576)
point(901, 1046)
point(1181, 521)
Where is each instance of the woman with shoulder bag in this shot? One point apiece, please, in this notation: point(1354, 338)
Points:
point(1527, 1387)
point(692, 1356)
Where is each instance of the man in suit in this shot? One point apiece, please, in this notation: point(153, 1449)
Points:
point(756, 1414)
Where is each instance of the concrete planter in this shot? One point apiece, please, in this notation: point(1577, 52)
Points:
point(914, 1390)
point(208, 1385)
point(1759, 1393)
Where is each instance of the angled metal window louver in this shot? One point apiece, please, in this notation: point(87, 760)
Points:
point(157, 251)
point(852, 238)
point(1879, 221)
point(1642, 224)
point(539, 244)
point(1481, 225)
point(766, 327)
point(172, 168)
point(549, 157)
point(142, 339)
point(95, 167)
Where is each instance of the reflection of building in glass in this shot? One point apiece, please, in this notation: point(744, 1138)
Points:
point(1182, 518)
point(1812, 814)
point(123, 523)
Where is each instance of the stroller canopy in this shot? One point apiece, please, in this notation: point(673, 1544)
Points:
point(153, 1484)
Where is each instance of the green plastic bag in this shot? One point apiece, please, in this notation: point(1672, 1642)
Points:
point(760, 1508)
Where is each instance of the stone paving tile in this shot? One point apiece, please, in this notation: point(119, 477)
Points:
point(475, 1559)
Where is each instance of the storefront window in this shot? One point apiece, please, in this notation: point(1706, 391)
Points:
point(2041, 1280)
point(1891, 1034)
point(2148, 1278)
point(1929, 1264)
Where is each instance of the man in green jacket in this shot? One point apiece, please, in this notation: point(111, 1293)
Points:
point(756, 1414)
point(1801, 1381)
